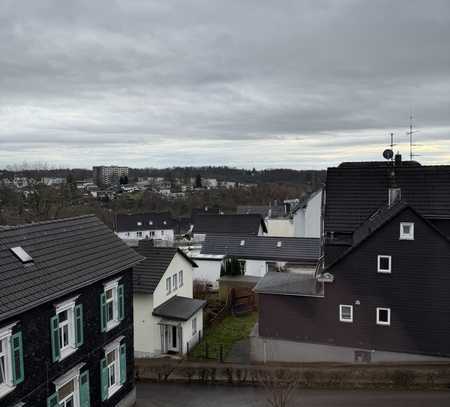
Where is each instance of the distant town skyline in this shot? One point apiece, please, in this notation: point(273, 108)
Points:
point(296, 84)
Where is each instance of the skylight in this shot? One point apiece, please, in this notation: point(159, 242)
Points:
point(242, 242)
point(279, 244)
point(22, 255)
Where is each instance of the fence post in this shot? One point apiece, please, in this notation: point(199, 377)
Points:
point(221, 353)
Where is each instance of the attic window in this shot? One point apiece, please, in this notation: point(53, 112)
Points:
point(139, 223)
point(22, 255)
point(242, 242)
point(279, 244)
point(150, 222)
point(406, 231)
point(165, 223)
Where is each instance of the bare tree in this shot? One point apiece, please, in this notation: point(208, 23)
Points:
point(279, 385)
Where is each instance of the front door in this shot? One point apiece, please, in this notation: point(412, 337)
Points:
point(172, 338)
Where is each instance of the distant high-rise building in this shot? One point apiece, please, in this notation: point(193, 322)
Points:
point(107, 175)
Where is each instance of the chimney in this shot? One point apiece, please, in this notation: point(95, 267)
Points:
point(394, 192)
point(398, 160)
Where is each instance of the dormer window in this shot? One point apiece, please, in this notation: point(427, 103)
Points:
point(22, 255)
point(406, 231)
point(384, 264)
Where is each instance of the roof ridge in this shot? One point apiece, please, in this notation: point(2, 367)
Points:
point(46, 222)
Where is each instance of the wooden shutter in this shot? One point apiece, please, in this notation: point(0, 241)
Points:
point(79, 334)
point(104, 379)
point(52, 401)
point(120, 305)
point(85, 399)
point(17, 358)
point(123, 363)
point(103, 311)
point(54, 333)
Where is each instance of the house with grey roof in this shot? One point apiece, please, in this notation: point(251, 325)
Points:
point(149, 225)
point(306, 216)
point(167, 319)
point(258, 255)
point(66, 315)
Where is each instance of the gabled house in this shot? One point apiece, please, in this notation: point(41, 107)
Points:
point(155, 226)
point(307, 216)
point(251, 224)
point(258, 255)
point(167, 320)
point(66, 314)
point(385, 277)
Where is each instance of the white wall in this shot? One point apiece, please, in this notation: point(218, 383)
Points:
point(178, 263)
point(166, 234)
point(208, 270)
point(256, 268)
point(147, 339)
point(187, 331)
point(280, 227)
point(307, 221)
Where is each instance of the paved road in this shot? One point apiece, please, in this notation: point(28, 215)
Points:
point(194, 395)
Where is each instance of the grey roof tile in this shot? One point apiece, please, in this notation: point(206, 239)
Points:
point(179, 308)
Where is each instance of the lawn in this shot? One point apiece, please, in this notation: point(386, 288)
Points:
point(225, 333)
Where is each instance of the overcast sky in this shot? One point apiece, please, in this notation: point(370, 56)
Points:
point(248, 83)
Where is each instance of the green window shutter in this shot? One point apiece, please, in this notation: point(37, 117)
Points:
point(103, 311)
point(52, 401)
point(121, 308)
point(79, 325)
point(104, 379)
point(54, 333)
point(123, 363)
point(85, 399)
point(17, 358)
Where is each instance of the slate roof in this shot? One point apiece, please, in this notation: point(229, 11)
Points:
point(274, 211)
point(179, 308)
point(304, 202)
point(129, 223)
point(68, 254)
point(303, 250)
point(148, 273)
point(356, 190)
point(229, 224)
point(283, 283)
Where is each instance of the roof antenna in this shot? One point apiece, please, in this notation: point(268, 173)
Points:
point(388, 154)
point(410, 134)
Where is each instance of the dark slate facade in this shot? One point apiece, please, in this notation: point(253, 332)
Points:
point(39, 369)
point(415, 291)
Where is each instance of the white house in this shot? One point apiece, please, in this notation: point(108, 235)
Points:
point(307, 216)
point(167, 320)
point(260, 254)
point(140, 226)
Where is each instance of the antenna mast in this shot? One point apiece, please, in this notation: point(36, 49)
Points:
point(410, 134)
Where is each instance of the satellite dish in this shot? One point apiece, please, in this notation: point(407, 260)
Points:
point(388, 154)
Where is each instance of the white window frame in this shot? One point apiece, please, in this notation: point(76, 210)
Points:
point(175, 281)
point(168, 285)
point(138, 234)
point(407, 236)
point(341, 318)
point(73, 374)
point(68, 306)
point(5, 337)
point(180, 278)
point(112, 285)
point(194, 326)
point(379, 269)
point(114, 347)
point(378, 316)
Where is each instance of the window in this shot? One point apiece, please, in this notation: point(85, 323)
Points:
point(175, 281)
point(22, 255)
point(113, 368)
point(242, 266)
point(11, 360)
point(71, 390)
point(139, 234)
point(168, 285)
point(152, 233)
point(383, 316)
point(194, 326)
point(139, 223)
point(180, 278)
point(384, 264)
point(346, 313)
point(66, 329)
point(406, 231)
point(112, 305)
